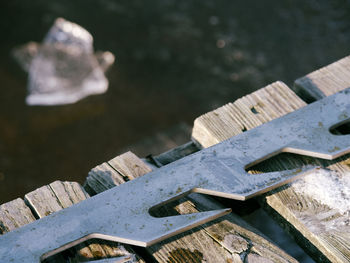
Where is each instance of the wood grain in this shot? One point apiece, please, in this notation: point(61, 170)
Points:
point(264, 105)
point(129, 166)
point(305, 217)
point(324, 81)
point(14, 214)
point(228, 239)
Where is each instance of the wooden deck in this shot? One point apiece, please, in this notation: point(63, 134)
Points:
point(322, 231)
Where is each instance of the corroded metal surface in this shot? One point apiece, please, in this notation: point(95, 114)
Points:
point(122, 213)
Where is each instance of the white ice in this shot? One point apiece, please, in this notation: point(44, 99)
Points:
point(328, 188)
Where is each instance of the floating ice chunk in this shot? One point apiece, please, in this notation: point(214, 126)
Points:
point(64, 68)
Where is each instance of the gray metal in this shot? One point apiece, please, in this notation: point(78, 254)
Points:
point(122, 213)
point(123, 259)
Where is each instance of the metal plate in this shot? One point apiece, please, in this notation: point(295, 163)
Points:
point(122, 213)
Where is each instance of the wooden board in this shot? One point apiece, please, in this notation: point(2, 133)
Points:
point(305, 217)
point(14, 214)
point(51, 198)
point(228, 239)
point(246, 113)
point(324, 81)
point(106, 175)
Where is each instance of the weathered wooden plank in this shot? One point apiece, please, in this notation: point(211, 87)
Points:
point(246, 113)
point(59, 195)
point(129, 166)
point(324, 81)
point(122, 168)
point(308, 216)
point(102, 177)
point(14, 214)
point(228, 239)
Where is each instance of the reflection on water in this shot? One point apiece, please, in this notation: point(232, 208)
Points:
point(175, 61)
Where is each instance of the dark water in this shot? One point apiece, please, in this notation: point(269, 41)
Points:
point(174, 61)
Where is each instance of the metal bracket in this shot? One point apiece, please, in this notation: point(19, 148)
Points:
point(122, 214)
